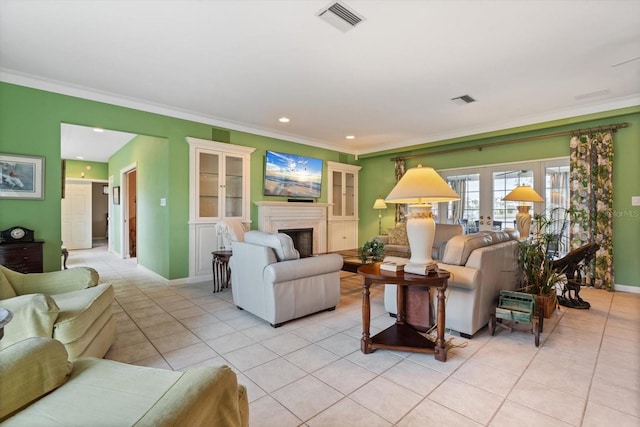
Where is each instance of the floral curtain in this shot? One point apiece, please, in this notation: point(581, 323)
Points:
point(401, 209)
point(591, 171)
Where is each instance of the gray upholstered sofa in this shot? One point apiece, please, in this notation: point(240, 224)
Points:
point(481, 265)
point(397, 243)
point(271, 281)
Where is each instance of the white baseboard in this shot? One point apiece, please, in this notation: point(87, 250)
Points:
point(627, 288)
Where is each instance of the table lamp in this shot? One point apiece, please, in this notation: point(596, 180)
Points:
point(523, 193)
point(379, 204)
point(419, 187)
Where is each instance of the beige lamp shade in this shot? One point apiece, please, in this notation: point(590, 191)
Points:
point(523, 193)
point(421, 185)
point(379, 204)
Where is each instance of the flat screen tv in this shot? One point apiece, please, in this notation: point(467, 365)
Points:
point(290, 175)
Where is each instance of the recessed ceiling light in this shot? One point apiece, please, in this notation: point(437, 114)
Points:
point(284, 120)
point(350, 137)
point(98, 130)
point(79, 157)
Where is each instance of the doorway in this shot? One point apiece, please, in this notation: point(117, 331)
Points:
point(128, 179)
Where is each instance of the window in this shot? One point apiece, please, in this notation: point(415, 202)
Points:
point(482, 189)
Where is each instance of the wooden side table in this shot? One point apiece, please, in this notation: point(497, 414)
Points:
point(401, 336)
point(221, 271)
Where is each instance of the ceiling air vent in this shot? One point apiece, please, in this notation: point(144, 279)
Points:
point(340, 16)
point(462, 100)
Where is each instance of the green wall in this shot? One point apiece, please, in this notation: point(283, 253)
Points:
point(151, 158)
point(377, 174)
point(30, 124)
point(97, 170)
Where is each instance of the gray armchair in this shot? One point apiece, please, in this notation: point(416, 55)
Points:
point(271, 281)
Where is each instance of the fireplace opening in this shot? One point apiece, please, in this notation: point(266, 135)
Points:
point(302, 240)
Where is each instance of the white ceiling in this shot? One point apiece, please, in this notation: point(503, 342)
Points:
point(388, 81)
point(93, 144)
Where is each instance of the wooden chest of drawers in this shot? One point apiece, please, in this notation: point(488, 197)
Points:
point(25, 257)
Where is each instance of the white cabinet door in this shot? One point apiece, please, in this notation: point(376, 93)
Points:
point(343, 235)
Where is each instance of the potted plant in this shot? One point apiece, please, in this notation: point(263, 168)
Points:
point(372, 250)
point(535, 265)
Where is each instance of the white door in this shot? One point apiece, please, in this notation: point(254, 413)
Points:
point(76, 215)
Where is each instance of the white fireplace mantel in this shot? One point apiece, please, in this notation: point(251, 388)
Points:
point(274, 216)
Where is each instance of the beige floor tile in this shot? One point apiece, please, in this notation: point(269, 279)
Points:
point(346, 412)
point(429, 413)
point(275, 374)
point(250, 357)
point(340, 344)
point(125, 339)
point(598, 415)
point(609, 393)
point(415, 377)
point(477, 404)
point(194, 322)
point(377, 362)
point(512, 414)
point(263, 331)
point(268, 412)
point(172, 342)
point(311, 357)
point(314, 332)
point(563, 406)
point(344, 376)
point(142, 313)
point(172, 307)
point(229, 342)
point(184, 313)
point(164, 329)
point(486, 377)
point(187, 356)
point(307, 397)
point(152, 320)
point(211, 331)
point(386, 398)
point(285, 343)
point(132, 353)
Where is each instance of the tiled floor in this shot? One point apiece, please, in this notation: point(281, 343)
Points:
point(311, 372)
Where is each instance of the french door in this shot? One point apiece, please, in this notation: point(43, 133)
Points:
point(482, 189)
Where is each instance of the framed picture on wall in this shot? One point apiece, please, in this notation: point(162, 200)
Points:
point(22, 177)
point(116, 195)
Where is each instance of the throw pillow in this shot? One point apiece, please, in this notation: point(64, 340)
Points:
point(398, 235)
point(281, 243)
point(33, 316)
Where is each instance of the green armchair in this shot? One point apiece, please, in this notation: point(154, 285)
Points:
point(69, 306)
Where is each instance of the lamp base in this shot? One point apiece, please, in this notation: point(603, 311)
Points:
point(523, 221)
point(421, 229)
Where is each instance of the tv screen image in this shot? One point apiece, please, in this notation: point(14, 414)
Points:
point(290, 175)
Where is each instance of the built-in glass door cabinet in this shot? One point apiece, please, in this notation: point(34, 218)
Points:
point(343, 212)
point(218, 190)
